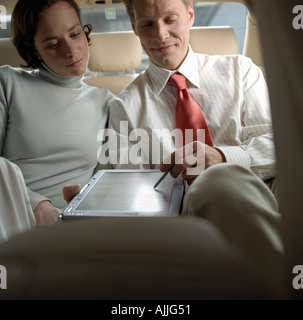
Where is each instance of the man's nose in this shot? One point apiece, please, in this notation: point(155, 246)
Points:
point(162, 31)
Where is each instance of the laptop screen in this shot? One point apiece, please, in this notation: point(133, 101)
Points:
point(127, 192)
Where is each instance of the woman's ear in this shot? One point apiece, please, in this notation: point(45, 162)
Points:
point(38, 55)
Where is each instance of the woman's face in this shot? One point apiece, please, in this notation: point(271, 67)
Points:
point(60, 40)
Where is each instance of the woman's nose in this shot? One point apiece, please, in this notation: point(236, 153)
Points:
point(69, 49)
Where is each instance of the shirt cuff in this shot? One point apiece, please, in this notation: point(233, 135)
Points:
point(236, 155)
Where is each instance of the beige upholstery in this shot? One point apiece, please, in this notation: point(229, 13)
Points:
point(115, 83)
point(123, 53)
point(213, 40)
point(114, 52)
point(115, 56)
point(151, 258)
point(9, 54)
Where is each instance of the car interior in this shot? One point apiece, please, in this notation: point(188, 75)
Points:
point(42, 262)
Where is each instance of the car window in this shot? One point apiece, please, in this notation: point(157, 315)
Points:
point(5, 19)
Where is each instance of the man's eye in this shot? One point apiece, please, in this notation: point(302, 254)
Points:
point(171, 19)
point(146, 25)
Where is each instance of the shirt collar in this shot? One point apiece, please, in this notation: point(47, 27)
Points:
point(189, 68)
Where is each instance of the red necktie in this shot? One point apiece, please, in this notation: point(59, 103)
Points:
point(188, 114)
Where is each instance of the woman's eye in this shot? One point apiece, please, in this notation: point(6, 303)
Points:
point(52, 45)
point(75, 35)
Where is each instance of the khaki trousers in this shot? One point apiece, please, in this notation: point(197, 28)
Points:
point(244, 209)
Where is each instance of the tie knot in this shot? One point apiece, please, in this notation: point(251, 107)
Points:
point(179, 81)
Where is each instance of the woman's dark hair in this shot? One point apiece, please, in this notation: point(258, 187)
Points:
point(24, 23)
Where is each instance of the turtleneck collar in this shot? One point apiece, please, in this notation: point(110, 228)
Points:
point(47, 74)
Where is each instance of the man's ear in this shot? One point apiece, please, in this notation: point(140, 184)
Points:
point(134, 29)
point(191, 15)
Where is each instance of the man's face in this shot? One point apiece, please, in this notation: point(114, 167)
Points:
point(163, 29)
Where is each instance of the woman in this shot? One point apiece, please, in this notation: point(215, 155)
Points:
point(49, 118)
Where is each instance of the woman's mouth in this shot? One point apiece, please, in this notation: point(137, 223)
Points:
point(76, 63)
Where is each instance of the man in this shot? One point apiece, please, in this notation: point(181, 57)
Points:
point(230, 180)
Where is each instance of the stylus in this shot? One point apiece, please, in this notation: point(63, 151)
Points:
point(162, 177)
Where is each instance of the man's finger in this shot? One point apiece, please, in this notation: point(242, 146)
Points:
point(168, 162)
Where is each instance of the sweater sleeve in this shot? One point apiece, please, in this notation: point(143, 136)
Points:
point(35, 198)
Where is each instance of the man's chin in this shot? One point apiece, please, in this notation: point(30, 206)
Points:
point(167, 62)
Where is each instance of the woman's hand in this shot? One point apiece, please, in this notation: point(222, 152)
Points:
point(45, 214)
point(69, 192)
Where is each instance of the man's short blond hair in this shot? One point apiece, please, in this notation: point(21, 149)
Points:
point(130, 11)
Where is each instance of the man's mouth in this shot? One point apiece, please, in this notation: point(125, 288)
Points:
point(162, 49)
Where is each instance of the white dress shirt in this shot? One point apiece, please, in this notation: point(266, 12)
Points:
point(232, 94)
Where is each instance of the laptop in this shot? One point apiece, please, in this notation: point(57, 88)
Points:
point(127, 193)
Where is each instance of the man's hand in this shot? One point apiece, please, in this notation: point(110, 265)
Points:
point(69, 192)
point(45, 214)
point(192, 159)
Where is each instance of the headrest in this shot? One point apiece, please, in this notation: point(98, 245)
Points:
point(115, 83)
point(9, 54)
point(122, 51)
point(114, 52)
point(213, 40)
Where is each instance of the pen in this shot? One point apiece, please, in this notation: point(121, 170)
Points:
point(162, 177)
